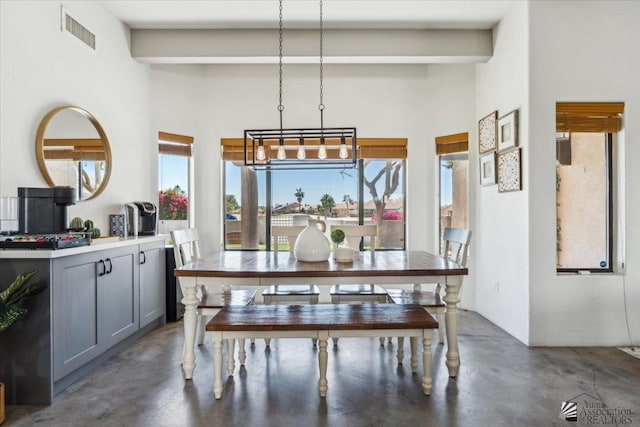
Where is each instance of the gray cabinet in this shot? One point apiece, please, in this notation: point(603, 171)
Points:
point(100, 299)
point(75, 313)
point(152, 282)
point(95, 300)
point(118, 297)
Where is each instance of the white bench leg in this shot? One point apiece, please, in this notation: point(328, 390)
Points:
point(426, 361)
point(217, 365)
point(322, 364)
point(414, 354)
point(201, 325)
point(231, 362)
point(400, 350)
point(440, 317)
point(242, 354)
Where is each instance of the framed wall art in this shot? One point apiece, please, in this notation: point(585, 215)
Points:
point(508, 131)
point(487, 132)
point(488, 168)
point(509, 173)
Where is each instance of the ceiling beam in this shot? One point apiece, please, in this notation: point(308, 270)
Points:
point(302, 46)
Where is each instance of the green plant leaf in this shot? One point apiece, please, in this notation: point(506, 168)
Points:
point(17, 284)
point(26, 292)
point(10, 317)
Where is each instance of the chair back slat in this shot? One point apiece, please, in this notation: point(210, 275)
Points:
point(291, 232)
point(185, 246)
point(456, 245)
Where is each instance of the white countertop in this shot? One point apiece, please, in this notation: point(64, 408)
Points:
point(96, 245)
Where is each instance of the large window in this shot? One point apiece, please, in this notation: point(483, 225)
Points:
point(371, 193)
point(174, 171)
point(454, 177)
point(583, 202)
point(584, 185)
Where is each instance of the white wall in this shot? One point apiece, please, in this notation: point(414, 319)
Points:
point(583, 51)
point(500, 220)
point(41, 68)
point(417, 102)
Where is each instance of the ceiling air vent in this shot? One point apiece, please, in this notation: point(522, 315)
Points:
point(71, 26)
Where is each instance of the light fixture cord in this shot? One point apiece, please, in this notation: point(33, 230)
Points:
point(321, 105)
point(280, 106)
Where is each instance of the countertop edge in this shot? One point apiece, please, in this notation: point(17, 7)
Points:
point(59, 253)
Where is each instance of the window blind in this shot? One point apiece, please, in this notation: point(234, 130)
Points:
point(174, 144)
point(449, 144)
point(589, 116)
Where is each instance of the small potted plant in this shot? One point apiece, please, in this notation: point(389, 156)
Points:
point(341, 254)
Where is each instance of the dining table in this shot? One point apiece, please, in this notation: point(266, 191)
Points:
point(228, 269)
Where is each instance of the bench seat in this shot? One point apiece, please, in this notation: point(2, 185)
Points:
point(322, 321)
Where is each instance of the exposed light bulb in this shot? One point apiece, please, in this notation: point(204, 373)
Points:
point(322, 152)
point(344, 153)
point(281, 153)
point(301, 153)
point(260, 154)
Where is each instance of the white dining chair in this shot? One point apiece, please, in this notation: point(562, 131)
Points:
point(456, 249)
point(289, 294)
point(186, 249)
point(361, 293)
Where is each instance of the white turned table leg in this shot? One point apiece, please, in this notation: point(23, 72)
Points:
point(426, 361)
point(400, 350)
point(217, 365)
point(190, 302)
point(451, 317)
point(414, 354)
point(242, 354)
point(323, 385)
point(231, 362)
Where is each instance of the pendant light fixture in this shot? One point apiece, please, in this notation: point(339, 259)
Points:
point(302, 148)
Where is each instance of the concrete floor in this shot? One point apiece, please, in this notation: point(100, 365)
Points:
point(501, 383)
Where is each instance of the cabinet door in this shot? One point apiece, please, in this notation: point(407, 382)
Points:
point(118, 294)
point(152, 282)
point(74, 306)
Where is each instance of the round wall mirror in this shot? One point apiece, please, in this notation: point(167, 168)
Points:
point(73, 151)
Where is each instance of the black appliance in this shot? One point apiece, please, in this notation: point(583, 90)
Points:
point(44, 210)
point(141, 219)
point(175, 308)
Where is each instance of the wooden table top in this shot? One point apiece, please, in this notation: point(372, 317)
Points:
point(321, 317)
point(249, 264)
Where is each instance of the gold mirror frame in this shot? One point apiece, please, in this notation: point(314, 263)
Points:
point(40, 145)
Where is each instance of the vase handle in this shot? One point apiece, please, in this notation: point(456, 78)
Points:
point(323, 225)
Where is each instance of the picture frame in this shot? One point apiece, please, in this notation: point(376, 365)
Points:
point(487, 129)
point(488, 169)
point(508, 131)
point(509, 170)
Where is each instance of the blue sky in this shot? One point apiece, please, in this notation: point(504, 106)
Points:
point(173, 170)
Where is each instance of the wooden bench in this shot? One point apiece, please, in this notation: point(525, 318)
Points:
point(322, 321)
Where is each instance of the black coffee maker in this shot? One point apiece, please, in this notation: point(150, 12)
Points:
point(44, 210)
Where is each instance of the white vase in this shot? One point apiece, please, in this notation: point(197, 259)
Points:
point(312, 245)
